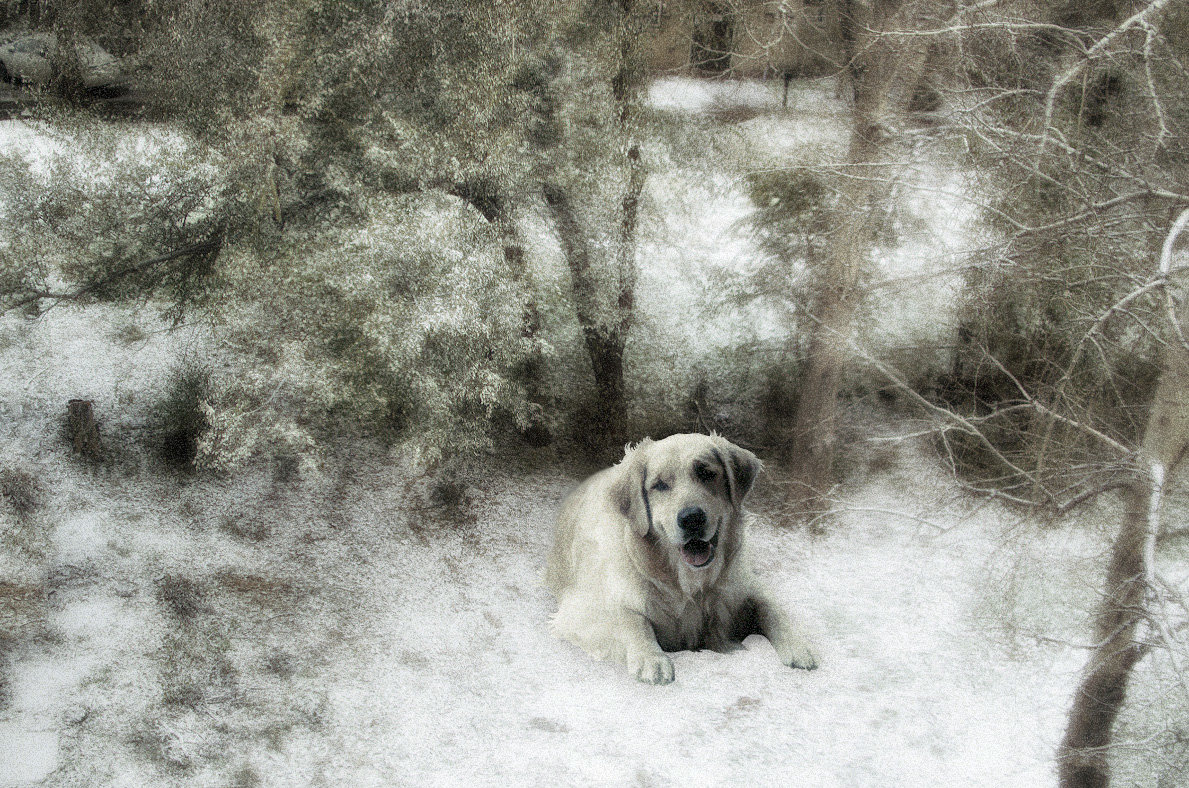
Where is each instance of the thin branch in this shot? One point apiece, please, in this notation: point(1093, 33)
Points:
point(1155, 497)
point(1108, 440)
point(891, 512)
point(209, 245)
point(1086, 495)
point(1153, 94)
point(1139, 18)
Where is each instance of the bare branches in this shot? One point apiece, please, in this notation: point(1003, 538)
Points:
point(1031, 401)
point(1140, 19)
point(203, 249)
point(1133, 588)
point(954, 419)
point(1170, 241)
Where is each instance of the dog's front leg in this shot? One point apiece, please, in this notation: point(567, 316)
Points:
point(642, 654)
point(760, 615)
point(614, 633)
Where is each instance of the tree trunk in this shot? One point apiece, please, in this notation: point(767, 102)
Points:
point(1100, 696)
point(1085, 749)
point(84, 431)
point(604, 339)
point(713, 38)
point(877, 69)
point(1084, 761)
point(603, 283)
point(814, 437)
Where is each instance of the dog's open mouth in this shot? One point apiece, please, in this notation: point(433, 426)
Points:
point(698, 552)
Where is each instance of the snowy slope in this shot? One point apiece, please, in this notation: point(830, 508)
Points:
point(341, 630)
point(348, 638)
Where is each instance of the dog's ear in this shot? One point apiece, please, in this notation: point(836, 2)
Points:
point(627, 489)
point(741, 466)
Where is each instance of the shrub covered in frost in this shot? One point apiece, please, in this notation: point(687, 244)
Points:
point(406, 321)
point(20, 490)
point(113, 216)
point(179, 418)
point(396, 316)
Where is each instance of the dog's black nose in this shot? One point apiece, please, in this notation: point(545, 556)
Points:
point(691, 518)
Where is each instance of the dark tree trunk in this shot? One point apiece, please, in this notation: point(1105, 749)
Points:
point(712, 40)
point(1085, 749)
point(84, 431)
point(67, 76)
point(606, 358)
point(604, 329)
point(603, 277)
point(815, 426)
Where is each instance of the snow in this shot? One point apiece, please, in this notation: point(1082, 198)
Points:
point(418, 651)
point(44, 147)
point(341, 630)
point(31, 143)
point(372, 642)
point(701, 96)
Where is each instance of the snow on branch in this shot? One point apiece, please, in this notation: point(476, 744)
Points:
point(1171, 240)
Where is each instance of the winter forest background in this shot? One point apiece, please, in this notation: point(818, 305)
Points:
point(304, 339)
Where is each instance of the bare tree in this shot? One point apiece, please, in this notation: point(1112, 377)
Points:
point(1131, 581)
point(1082, 129)
point(599, 244)
point(879, 65)
point(1086, 132)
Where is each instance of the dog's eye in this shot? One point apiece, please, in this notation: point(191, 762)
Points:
point(705, 473)
point(659, 486)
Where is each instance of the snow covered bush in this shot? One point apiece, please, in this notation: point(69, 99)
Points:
point(104, 215)
point(405, 322)
point(394, 315)
point(791, 223)
point(20, 490)
point(179, 418)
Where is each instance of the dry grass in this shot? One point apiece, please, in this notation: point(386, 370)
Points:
point(20, 490)
point(263, 589)
point(22, 609)
point(723, 111)
point(181, 596)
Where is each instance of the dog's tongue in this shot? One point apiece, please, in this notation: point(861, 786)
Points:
point(696, 552)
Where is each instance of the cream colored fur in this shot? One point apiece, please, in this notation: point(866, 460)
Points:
point(624, 592)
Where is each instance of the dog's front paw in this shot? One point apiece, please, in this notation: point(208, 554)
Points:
point(652, 668)
point(796, 653)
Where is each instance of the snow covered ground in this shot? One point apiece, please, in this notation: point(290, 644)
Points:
point(340, 629)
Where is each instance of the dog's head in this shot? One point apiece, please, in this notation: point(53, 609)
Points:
point(687, 490)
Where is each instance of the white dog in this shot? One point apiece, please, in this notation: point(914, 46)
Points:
point(648, 558)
